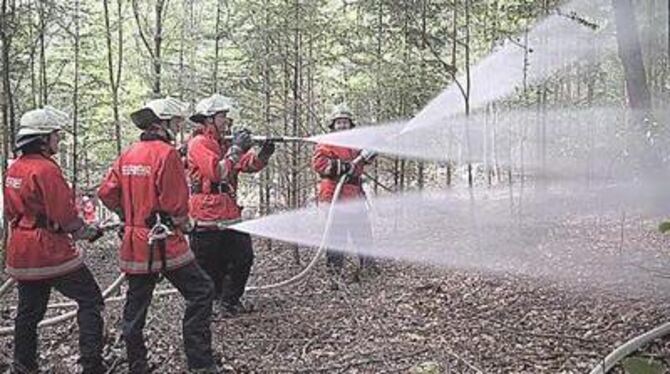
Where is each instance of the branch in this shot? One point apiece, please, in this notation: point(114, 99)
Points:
point(140, 31)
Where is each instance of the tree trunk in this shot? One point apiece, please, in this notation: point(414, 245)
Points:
point(217, 37)
point(8, 121)
point(466, 97)
point(154, 50)
point(75, 101)
point(44, 97)
point(158, 39)
point(630, 53)
point(114, 77)
point(297, 88)
point(6, 104)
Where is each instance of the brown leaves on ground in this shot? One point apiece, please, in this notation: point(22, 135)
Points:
point(409, 317)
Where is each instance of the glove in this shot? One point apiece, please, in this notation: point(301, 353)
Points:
point(88, 232)
point(242, 140)
point(267, 150)
point(368, 155)
point(340, 168)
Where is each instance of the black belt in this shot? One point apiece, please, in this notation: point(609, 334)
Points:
point(214, 188)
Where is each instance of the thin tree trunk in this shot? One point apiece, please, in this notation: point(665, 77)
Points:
point(158, 40)
point(114, 78)
point(630, 52)
point(217, 38)
point(297, 88)
point(378, 77)
point(6, 104)
point(75, 101)
point(44, 97)
point(424, 74)
point(466, 97)
point(154, 50)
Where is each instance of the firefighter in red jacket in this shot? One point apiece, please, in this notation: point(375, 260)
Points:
point(88, 210)
point(331, 163)
point(213, 168)
point(41, 255)
point(147, 187)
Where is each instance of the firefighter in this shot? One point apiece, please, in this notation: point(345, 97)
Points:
point(147, 187)
point(213, 168)
point(331, 163)
point(88, 210)
point(41, 255)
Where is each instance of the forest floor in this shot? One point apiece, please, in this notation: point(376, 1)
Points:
point(449, 320)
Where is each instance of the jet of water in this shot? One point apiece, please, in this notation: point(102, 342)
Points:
point(565, 233)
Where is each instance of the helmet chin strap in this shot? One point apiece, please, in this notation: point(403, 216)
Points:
point(169, 133)
point(46, 145)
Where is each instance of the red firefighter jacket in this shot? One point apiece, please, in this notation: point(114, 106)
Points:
point(148, 178)
point(323, 160)
point(214, 196)
point(88, 212)
point(40, 208)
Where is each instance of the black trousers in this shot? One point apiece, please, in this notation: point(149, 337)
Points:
point(78, 285)
point(227, 257)
point(197, 289)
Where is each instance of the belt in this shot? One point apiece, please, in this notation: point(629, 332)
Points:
point(214, 188)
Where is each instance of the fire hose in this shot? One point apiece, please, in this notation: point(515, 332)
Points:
point(161, 230)
point(629, 347)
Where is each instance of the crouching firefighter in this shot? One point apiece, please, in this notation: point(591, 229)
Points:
point(213, 168)
point(41, 255)
point(331, 163)
point(147, 187)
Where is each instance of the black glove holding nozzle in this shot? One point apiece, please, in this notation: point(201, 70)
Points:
point(339, 168)
point(267, 150)
point(242, 140)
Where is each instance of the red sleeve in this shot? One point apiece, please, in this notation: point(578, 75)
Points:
point(250, 163)
point(110, 188)
point(203, 153)
point(10, 198)
point(321, 160)
point(171, 186)
point(58, 199)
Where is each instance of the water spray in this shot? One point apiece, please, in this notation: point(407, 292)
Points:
point(260, 139)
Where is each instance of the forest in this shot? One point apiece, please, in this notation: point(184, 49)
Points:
point(576, 113)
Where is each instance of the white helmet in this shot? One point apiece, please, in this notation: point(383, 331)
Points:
point(341, 111)
point(37, 122)
point(208, 107)
point(157, 110)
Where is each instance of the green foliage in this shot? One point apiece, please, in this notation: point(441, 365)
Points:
point(285, 62)
point(641, 365)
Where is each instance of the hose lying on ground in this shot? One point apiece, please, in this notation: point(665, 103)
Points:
point(9, 283)
point(629, 347)
point(66, 316)
point(119, 280)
